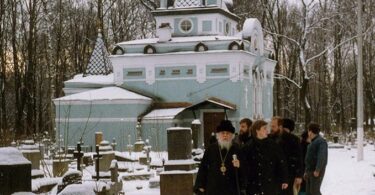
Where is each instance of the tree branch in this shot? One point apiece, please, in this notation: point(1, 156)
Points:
point(284, 36)
point(280, 76)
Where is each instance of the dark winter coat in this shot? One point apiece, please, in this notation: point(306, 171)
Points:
point(316, 155)
point(210, 177)
point(304, 145)
point(265, 167)
point(241, 140)
point(291, 146)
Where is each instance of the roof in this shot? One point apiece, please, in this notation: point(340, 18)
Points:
point(210, 9)
point(218, 102)
point(99, 63)
point(181, 40)
point(92, 79)
point(106, 93)
point(12, 156)
point(163, 114)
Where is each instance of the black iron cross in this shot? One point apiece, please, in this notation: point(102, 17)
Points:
point(97, 156)
point(78, 155)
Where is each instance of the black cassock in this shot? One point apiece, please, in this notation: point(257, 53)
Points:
point(266, 168)
point(210, 176)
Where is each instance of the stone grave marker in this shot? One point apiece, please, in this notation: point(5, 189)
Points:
point(15, 171)
point(139, 144)
point(108, 155)
point(32, 153)
point(178, 177)
point(195, 127)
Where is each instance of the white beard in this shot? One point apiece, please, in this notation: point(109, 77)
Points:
point(224, 144)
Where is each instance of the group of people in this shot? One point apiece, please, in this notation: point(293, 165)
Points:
point(263, 159)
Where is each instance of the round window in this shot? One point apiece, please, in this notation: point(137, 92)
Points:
point(186, 26)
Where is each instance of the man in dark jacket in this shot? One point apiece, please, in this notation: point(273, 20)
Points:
point(304, 145)
point(244, 134)
point(290, 144)
point(316, 160)
point(218, 172)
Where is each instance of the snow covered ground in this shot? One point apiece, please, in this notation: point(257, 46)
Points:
point(344, 175)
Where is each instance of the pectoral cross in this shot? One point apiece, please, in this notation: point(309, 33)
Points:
point(223, 169)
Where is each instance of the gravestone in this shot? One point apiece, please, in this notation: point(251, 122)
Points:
point(105, 149)
point(15, 171)
point(60, 167)
point(116, 184)
point(114, 144)
point(98, 137)
point(179, 149)
point(179, 175)
point(335, 139)
point(195, 127)
point(32, 153)
point(139, 144)
point(145, 160)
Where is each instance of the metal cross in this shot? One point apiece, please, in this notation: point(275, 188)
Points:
point(97, 156)
point(78, 155)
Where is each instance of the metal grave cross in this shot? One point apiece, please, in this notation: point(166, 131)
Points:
point(97, 156)
point(78, 155)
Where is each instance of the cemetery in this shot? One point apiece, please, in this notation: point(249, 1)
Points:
point(137, 119)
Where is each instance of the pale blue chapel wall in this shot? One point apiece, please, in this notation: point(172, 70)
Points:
point(267, 105)
point(100, 110)
point(156, 133)
point(246, 111)
point(83, 85)
point(190, 90)
point(211, 2)
point(114, 120)
point(207, 25)
point(72, 132)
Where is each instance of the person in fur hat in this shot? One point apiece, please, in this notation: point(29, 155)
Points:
point(218, 172)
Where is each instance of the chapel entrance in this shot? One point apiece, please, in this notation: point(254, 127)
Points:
point(210, 121)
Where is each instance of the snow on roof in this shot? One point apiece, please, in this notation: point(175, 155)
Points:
point(106, 93)
point(163, 114)
point(12, 156)
point(93, 79)
point(181, 39)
